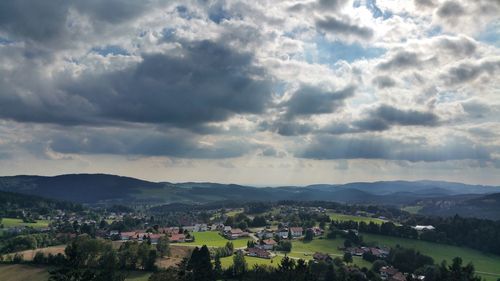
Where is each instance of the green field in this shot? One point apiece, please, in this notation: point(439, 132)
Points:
point(487, 265)
point(214, 239)
point(344, 217)
point(9, 222)
point(251, 261)
point(412, 209)
point(17, 272)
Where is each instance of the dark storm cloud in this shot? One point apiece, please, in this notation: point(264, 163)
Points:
point(450, 9)
point(337, 26)
point(287, 128)
point(207, 83)
point(401, 60)
point(385, 116)
point(384, 81)
point(309, 100)
point(50, 21)
point(397, 116)
point(467, 72)
point(145, 143)
point(332, 147)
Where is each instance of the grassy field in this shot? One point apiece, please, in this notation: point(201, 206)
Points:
point(29, 254)
point(343, 217)
point(487, 265)
point(412, 209)
point(251, 261)
point(17, 272)
point(214, 239)
point(9, 222)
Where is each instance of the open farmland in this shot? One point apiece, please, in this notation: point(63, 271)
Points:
point(486, 264)
point(29, 254)
point(214, 239)
point(10, 222)
point(344, 217)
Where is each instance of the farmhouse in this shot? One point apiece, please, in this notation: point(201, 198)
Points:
point(267, 244)
point(322, 257)
point(177, 238)
point(125, 236)
point(392, 274)
point(283, 233)
point(235, 233)
point(259, 253)
point(296, 232)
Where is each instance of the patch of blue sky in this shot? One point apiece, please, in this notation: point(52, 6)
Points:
point(113, 50)
point(168, 34)
point(491, 34)
point(217, 14)
point(5, 41)
point(328, 52)
point(184, 12)
point(434, 31)
point(371, 5)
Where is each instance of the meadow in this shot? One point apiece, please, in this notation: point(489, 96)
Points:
point(214, 239)
point(486, 264)
point(10, 222)
point(344, 217)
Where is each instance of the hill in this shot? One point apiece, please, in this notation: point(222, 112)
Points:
point(111, 189)
point(484, 206)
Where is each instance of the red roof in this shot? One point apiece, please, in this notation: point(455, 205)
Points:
point(269, 242)
point(177, 237)
point(296, 229)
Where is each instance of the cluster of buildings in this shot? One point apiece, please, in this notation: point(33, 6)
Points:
point(380, 253)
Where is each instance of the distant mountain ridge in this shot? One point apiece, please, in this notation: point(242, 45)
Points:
point(104, 188)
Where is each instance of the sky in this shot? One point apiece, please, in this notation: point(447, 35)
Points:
point(252, 92)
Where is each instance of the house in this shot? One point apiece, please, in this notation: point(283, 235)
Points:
point(227, 228)
point(259, 253)
point(296, 232)
point(125, 236)
point(283, 233)
point(177, 238)
point(423, 227)
point(265, 234)
point(398, 277)
point(200, 227)
point(235, 233)
point(322, 257)
point(317, 231)
point(387, 272)
point(268, 244)
point(154, 238)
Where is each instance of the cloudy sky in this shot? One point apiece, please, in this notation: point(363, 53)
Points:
point(252, 92)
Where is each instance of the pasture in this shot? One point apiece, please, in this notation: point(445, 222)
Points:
point(344, 217)
point(487, 265)
point(10, 222)
point(214, 239)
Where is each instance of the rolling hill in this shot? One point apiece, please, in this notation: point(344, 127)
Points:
point(102, 188)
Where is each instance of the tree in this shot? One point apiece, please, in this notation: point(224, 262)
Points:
point(217, 268)
point(347, 258)
point(239, 264)
point(201, 265)
point(309, 235)
point(163, 246)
